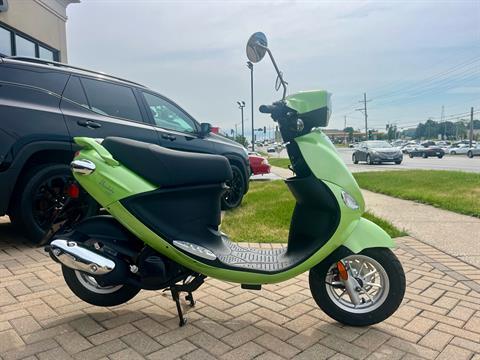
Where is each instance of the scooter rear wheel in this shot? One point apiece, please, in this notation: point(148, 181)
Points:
point(381, 288)
point(87, 289)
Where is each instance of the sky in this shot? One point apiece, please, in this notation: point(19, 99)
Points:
point(410, 57)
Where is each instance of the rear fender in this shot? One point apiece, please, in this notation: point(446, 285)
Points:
point(367, 235)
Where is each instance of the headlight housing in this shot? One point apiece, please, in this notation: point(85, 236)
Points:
point(349, 201)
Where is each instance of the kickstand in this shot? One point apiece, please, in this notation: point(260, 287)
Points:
point(189, 288)
point(190, 299)
point(176, 298)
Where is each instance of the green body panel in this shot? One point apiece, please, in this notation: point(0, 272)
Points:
point(347, 224)
point(367, 235)
point(325, 163)
point(306, 101)
point(111, 182)
point(89, 143)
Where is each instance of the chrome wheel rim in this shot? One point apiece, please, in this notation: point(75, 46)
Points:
point(373, 283)
point(91, 284)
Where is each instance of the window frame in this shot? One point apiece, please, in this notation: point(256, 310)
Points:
point(174, 104)
point(13, 47)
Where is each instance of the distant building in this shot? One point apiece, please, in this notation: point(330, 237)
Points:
point(34, 28)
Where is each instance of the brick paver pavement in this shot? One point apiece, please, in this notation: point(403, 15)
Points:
point(41, 319)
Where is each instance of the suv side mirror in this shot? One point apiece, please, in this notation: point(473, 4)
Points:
point(205, 128)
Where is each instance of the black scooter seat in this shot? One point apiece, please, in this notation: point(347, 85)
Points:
point(166, 167)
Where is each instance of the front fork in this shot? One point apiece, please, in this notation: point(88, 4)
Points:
point(349, 281)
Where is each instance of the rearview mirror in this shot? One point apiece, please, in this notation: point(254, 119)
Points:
point(205, 128)
point(256, 47)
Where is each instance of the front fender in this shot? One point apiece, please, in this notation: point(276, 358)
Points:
point(368, 235)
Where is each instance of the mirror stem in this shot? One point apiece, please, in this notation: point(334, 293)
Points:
point(284, 84)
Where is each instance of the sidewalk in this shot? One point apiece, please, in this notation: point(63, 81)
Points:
point(455, 234)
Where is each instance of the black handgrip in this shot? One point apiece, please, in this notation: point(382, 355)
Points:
point(266, 109)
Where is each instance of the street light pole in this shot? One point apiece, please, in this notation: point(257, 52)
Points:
point(250, 66)
point(241, 105)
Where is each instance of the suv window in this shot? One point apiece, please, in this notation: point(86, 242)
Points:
point(74, 92)
point(111, 99)
point(168, 116)
point(47, 79)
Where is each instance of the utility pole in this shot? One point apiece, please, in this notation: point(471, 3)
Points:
point(471, 126)
point(442, 116)
point(364, 110)
point(241, 105)
point(344, 127)
point(250, 66)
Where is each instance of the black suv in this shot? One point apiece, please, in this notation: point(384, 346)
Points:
point(44, 104)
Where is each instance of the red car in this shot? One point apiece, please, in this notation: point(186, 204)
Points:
point(258, 164)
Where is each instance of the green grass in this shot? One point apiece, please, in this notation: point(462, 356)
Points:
point(450, 190)
point(279, 162)
point(265, 215)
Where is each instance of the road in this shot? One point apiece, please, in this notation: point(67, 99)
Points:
point(458, 162)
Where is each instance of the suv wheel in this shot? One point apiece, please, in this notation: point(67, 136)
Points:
point(233, 196)
point(41, 192)
point(470, 154)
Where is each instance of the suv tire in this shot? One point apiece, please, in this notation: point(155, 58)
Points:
point(233, 196)
point(36, 194)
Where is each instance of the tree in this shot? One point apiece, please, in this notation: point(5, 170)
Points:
point(241, 140)
point(349, 130)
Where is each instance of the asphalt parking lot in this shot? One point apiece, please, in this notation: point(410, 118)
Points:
point(448, 162)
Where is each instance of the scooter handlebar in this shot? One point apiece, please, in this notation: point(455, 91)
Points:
point(266, 109)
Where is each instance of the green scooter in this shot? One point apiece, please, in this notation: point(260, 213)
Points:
point(163, 231)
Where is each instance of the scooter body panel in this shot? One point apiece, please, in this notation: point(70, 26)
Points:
point(325, 163)
point(112, 182)
point(367, 235)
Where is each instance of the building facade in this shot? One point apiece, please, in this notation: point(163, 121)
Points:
point(34, 28)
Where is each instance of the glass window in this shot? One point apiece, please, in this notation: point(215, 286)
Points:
point(5, 42)
point(24, 47)
point(111, 99)
point(74, 92)
point(168, 116)
point(45, 53)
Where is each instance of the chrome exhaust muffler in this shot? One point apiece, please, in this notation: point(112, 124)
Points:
point(77, 257)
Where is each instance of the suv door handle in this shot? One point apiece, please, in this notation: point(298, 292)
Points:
point(169, 137)
point(89, 124)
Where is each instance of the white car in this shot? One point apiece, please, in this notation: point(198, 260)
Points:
point(474, 151)
point(460, 149)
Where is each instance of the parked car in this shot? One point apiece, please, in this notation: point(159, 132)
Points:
point(426, 151)
point(376, 152)
point(44, 104)
point(474, 151)
point(460, 149)
point(258, 164)
point(408, 146)
point(271, 149)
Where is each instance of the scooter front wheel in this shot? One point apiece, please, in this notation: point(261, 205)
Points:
point(361, 289)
